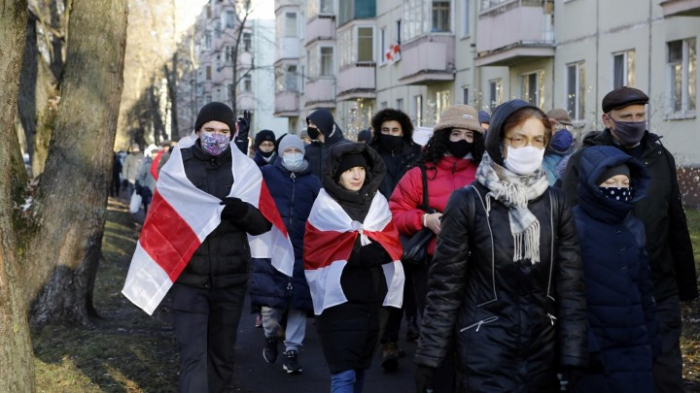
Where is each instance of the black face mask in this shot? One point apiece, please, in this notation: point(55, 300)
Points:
point(313, 132)
point(268, 154)
point(390, 142)
point(629, 133)
point(460, 148)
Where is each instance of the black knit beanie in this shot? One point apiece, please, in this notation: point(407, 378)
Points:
point(216, 111)
point(264, 135)
point(614, 171)
point(350, 161)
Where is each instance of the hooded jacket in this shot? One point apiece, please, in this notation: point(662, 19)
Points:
point(397, 161)
point(294, 194)
point(511, 325)
point(349, 332)
point(316, 151)
point(666, 228)
point(623, 333)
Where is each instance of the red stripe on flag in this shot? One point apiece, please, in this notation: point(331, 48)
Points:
point(167, 238)
point(268, 208)
point(321, 248)
point(389, 239)
point(154, 164)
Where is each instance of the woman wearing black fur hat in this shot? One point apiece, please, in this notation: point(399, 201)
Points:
point(351, 261)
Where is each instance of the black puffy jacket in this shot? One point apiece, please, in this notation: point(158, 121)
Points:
point(668, 241)
point(511, 324)
point(397, 164)
point(223, 259)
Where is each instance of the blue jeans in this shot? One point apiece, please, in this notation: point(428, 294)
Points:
point(349, 381)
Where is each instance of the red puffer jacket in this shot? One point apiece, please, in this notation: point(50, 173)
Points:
point(452, 173)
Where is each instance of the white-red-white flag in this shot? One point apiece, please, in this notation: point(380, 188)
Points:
point(328, 242)
point(181, 216)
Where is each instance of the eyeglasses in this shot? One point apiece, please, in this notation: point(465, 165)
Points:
point(519, 141)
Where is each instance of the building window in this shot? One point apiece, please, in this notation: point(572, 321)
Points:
point(441, 15)
point(228, 53)
point(247, 42)
point(465, 96)
point(623, 69)
point(382, 46)
point(290, 78)
point(495, 93)
point(418, 110)
point(290, 24)
point(208, 99)
point(398, 31)
point(576, 90)
point(383, 105)
point(247, 84)
point(532, 88)
point(326, 61)
point(365, 44)
point(207, 41)
point(682, 69)
point(326, 6)
point(279, 79)
point(442, 101)
point(208, 73)
point(302, 85)
point(466, 21)
point(399, 104)
point(230, 21)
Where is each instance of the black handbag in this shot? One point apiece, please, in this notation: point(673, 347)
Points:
point(415, 248)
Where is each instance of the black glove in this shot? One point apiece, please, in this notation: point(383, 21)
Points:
point(243, 124)
point(235, 208)
point(424, 379)
point(571, 376)
point(373, 254)
point(138, 189)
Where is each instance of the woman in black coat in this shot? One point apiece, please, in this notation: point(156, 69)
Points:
point(351, 260)
point(506, 287)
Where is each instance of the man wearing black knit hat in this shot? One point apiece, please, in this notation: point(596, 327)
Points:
point(668, 241)
point(264, 148)
point(208, 296)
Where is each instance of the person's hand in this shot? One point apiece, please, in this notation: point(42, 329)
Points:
point(234, 208)
point(424, 379)
point(571, 376)
point(243, 126)
point(432, 221)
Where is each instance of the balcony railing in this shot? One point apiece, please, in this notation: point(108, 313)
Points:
point(287, 104)
point(428, 58)
point(320, 93)
point(357, 81)
point(681, 7)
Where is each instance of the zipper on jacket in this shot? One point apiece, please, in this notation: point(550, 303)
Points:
point(552, 318)
point(293, 176)
point(478, 324)
point(289, 288)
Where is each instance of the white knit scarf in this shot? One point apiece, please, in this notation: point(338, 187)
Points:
point(515, 191)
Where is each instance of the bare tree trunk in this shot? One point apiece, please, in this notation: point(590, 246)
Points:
point(27, 85)
point(71, 199)
point(172, 94)
point(17, 370)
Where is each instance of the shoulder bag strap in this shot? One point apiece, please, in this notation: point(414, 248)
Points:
point(424, 177)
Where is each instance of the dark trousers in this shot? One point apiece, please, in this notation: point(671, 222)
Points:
point(393, 315)
point(668, 366)
point(206, 326)
point(420, 288)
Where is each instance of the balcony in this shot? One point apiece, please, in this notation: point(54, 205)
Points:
point(287, 104)
point(529, 34)
point(320, 93)
point(320, 28)
point(287, 48)
point(357, 81)
point(428, 58)
point(681, 8)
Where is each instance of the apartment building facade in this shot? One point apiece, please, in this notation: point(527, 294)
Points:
point(428, 54)
point(214, 70)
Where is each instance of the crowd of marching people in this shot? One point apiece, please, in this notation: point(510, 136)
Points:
point(520, 257)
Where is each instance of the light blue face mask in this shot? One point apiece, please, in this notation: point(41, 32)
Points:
point(293, 161)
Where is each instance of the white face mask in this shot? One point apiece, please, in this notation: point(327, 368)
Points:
point(293, 161)
point(525, 160)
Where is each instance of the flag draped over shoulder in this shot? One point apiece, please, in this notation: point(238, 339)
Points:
point(181, 216)
point(328, 242)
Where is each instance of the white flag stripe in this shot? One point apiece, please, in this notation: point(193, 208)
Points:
point(146, 283)
point(325, 287)
point(395, 277)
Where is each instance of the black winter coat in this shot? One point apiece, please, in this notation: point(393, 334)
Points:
point(623, 335)
point(294, 195)
point(397, 164)
point(668, 241)
point(316, 151)
point(511, 324)
point(349, 332)
point(223, 258)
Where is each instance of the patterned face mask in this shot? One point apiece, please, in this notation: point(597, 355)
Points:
point(623, 194)
point(214, 143)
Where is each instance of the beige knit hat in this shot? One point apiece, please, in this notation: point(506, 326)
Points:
point(459, 116)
